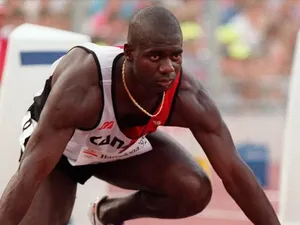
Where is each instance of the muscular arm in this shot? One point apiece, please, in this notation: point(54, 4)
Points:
point(195, 110)
point(62, 113)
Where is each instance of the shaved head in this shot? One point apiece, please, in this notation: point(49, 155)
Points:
point(150, 22)
point(154, 48)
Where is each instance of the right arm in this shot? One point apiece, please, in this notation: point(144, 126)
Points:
point(62, 113)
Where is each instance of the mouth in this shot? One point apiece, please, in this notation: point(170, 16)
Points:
point(165, 82)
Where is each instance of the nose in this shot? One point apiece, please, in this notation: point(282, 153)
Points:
point(166, 66)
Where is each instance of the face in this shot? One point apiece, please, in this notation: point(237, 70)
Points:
point(156, 62)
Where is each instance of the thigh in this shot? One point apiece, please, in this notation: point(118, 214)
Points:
point(53, 202)
point(167, 165)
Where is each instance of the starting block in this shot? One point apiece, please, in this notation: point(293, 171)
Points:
point(204, 163)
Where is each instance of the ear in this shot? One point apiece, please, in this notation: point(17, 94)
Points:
point(128, 52)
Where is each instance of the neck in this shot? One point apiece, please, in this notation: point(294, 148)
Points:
point(136, 89)
point(135, 100)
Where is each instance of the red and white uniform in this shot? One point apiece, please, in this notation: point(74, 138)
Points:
point(106, 142)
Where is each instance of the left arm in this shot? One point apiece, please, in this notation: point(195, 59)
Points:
point(195, 110)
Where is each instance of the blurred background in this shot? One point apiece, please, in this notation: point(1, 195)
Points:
point(242, 50)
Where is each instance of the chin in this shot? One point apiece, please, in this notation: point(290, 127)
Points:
point(160, 88)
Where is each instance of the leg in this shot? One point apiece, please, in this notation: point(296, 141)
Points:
point(170, 183)
point(53, 203)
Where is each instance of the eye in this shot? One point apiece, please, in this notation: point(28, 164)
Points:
point(176, 56)
point(154, 57)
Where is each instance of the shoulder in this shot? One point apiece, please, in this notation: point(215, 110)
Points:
point(75, 89)
point(77, 65)
point(191, 90)
point(194, 105)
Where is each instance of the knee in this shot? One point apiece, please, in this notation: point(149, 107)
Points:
point(195, 193)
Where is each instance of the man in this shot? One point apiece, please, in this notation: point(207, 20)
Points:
point(101, 107)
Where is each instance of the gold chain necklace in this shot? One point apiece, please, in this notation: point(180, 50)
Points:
point(133, 100)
